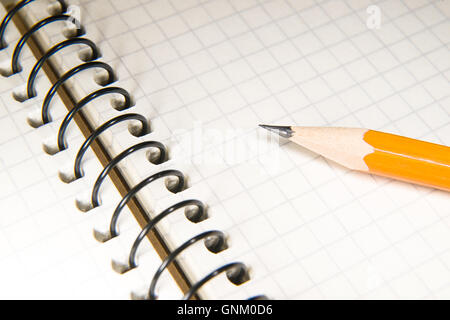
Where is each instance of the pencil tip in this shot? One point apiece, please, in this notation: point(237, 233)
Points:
point(285, 132)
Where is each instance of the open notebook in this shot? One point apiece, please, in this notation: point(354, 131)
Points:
point(205, 74)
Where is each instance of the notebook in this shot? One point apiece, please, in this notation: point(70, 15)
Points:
point(205, 74)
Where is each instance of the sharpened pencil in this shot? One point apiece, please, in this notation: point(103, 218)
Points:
point(375, 152)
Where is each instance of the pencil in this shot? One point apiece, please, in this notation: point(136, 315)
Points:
point(375, 152)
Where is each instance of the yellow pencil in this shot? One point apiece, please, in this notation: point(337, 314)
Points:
point(375, 152)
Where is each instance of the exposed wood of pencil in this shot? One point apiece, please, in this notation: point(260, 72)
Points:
point(103, 155)
point(379, 153)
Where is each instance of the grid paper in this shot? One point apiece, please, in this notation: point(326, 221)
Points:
point(46, 249)
point(310, 228)
point(235, 64)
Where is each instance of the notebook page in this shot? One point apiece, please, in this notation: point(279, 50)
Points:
point(47, 247)
point(211, 71)
point(44, 249)
point(45, 138)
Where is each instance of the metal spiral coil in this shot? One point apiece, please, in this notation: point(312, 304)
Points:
point(15, 65)
point(215, 241)
point(95, 201)
point(52, 92)
point(113, 231)
point(236, 272)
point(194, 216)
point(9, 16)
point(195, 210)
point(62, 145)
point(31, 91)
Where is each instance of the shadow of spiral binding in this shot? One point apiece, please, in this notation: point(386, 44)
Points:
point(194, 210)
point(260, 297)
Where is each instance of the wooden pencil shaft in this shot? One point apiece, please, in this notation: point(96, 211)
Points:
point(409, 160)
point(379, 153)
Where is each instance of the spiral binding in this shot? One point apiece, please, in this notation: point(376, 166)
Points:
point(69, 74)
point(200, 215)
point(215, 241)
point(16, 68)
point(236, 272)
point(13, 12)
point(195, 210)
point(31, 91)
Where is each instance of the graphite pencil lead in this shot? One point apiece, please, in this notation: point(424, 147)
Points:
point(284, 131)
